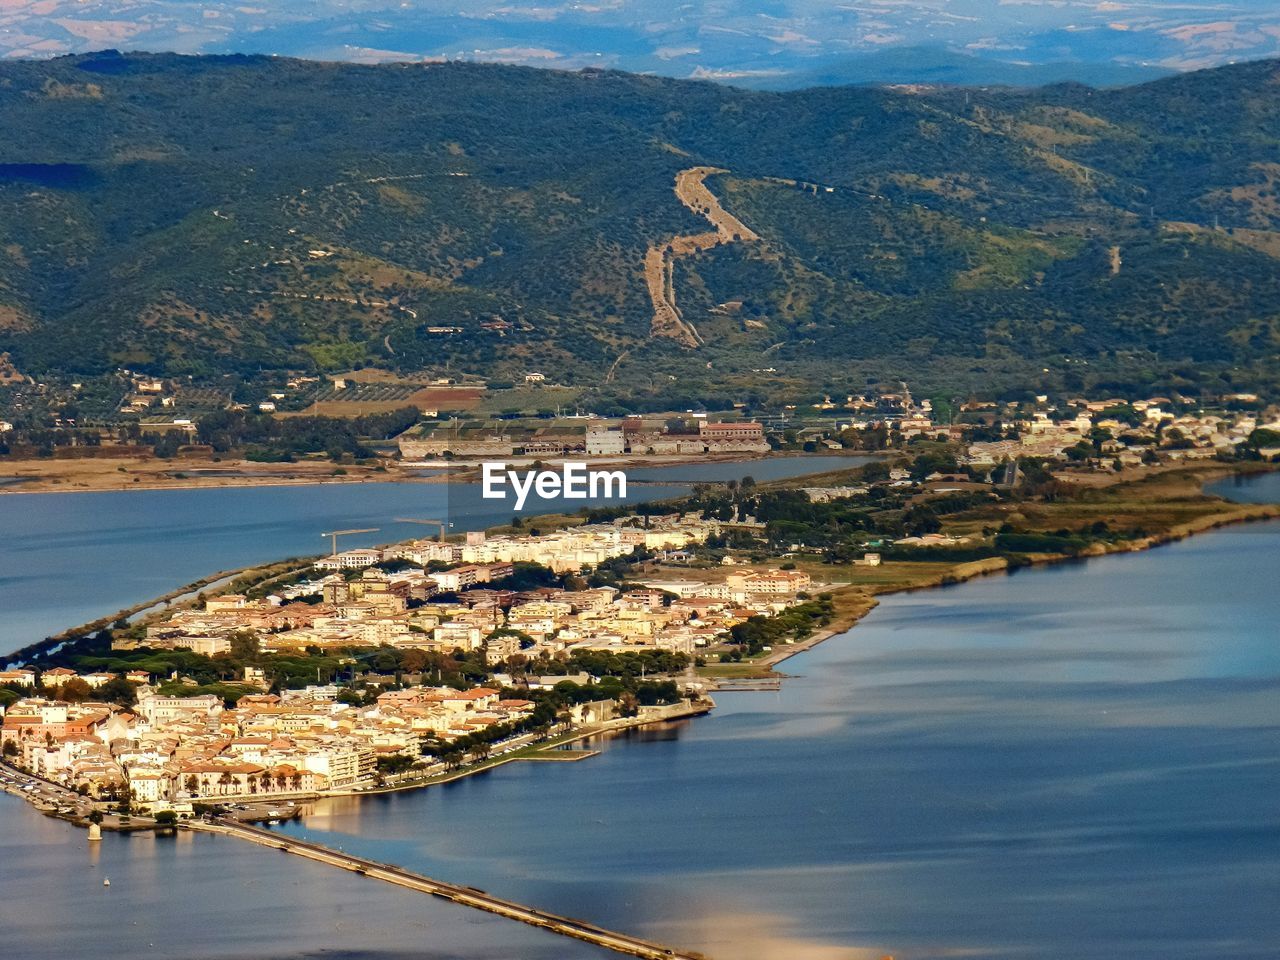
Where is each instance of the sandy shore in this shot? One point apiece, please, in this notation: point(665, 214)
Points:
point(91, 475)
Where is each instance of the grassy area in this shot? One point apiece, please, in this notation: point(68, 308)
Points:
point(746, 670)
point(527, 399)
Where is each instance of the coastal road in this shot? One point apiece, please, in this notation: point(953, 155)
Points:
point(466, 896)
point(43, 793)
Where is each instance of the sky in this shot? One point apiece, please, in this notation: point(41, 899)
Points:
point(752, 42)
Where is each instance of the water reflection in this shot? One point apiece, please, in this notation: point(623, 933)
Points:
point(1253, 488)
point(196, 897)
point(1075, 761)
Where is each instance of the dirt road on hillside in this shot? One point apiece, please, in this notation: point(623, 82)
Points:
point(659, 260)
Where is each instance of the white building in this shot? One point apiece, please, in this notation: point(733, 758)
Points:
point(158, 710)
point(350, 560)
point(605, 441)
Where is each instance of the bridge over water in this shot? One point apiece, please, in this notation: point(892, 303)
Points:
point(467, 896)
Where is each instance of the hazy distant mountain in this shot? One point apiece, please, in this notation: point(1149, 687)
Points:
point(201, 215)
point(738, 40)
point(937, 65)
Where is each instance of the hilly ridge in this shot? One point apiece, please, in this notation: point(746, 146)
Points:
point(199, 215)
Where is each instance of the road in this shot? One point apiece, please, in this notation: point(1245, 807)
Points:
point(50, 797)
point(466, 896)
point(660, 259)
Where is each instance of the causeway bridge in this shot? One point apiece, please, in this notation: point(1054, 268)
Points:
point(466, 896)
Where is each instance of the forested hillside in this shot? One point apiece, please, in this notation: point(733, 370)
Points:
point(200, 215)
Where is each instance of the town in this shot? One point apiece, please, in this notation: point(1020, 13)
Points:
point(168, 749)
point(363, 425)
point(380, 668)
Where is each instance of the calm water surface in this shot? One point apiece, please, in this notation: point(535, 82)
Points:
point(201, 898)
point(1260, 488)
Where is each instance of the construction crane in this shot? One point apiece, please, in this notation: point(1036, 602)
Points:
point(440, 524)
point(335, 534)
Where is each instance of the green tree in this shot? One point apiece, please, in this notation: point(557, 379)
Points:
point(244, 646)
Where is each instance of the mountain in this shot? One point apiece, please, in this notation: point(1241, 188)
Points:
point(940, 65)
point(199, 215)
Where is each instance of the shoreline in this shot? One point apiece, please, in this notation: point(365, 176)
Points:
point(866, 596)
point(121, 475)
point(671, 713)
point(974, 569)
point(689, 709)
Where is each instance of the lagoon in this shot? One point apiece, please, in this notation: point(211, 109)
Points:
point(1079, 760)
point(198, 897)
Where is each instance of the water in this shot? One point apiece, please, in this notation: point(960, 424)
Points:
point(1078, 760)
point(1258, 488)
point(69, 558)
point(196, 897)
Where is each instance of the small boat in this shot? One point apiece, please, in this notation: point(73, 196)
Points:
point(106, 881)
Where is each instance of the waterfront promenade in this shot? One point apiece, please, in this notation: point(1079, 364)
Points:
point(466, 896)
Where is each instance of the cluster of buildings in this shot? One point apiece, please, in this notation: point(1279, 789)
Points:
point(1176, 435)
point(167, 750)
point(637, 436)
point(464, 605)
point(893, 410)
point(374, 610)
point(564, 551)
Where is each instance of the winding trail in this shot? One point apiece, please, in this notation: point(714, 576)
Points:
point(659, 260)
